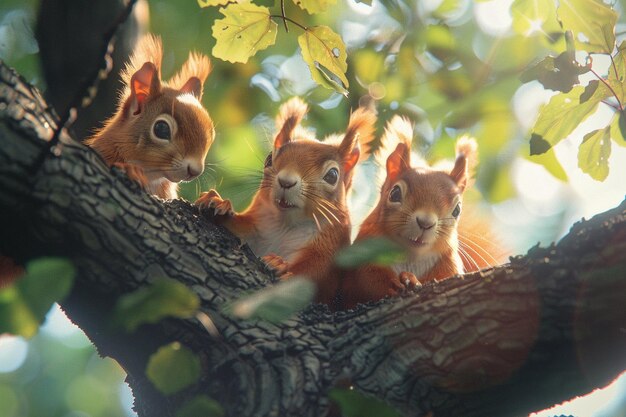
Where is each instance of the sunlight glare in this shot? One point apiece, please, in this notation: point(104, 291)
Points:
point(494, 17)
point(13, 352)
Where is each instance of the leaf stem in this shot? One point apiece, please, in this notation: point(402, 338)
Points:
point(614, 66)
point(282, 12)
point(621, 107)
point(287, 19)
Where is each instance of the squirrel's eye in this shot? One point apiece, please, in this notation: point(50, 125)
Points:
point(332, 176)
point(456, 211)
point(395, 196)
point(268, 161)
point(161, 130)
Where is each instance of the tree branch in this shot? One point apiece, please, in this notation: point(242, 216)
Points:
point(503, 342)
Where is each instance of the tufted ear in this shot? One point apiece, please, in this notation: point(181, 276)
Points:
point(459, 173)
point(193, 86)
point(398, 162)
point(191, 77)
point(143, 84)
point(289, 116)
point(466, 160)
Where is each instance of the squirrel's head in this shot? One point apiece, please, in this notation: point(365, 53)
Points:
point(421, 206)
point(167, 131)
point(308, 178)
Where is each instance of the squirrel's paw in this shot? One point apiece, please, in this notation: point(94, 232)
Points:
point(134, 172)
point(278, 264)
point(212, 199)
point(409, 280)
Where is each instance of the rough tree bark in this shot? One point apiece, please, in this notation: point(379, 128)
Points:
point(504, 342)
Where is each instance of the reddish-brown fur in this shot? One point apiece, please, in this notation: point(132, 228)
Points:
point(308, 235)
point(128, 140)
point(425, 194)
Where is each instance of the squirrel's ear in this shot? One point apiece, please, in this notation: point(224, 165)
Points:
point(466, 160)
point(143, 83)
point(459, 173)
point(350, 160)
point(193, 86)
point(192, 75)
point(289, 116)
point(398, 162)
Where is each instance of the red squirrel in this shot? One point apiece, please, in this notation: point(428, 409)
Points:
point(298, 218)
point(419, 209)
point(160, 133)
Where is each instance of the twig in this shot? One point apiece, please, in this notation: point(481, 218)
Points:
point(282, 11)
point(621, 107)
point(287, 19)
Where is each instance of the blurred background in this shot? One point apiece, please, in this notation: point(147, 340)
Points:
point(452, 66)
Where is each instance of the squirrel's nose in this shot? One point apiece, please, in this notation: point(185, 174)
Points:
point(425, 222)
point(194, 169)
point(287, 183)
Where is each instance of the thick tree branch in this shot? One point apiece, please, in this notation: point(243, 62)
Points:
point(508, 341)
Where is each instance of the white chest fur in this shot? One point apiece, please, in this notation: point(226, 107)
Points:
point(277, 233)
point(417, 265)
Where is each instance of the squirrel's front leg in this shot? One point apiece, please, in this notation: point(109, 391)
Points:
point(212, 199)
point(278, 264)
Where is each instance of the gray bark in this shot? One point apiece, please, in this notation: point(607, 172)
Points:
point(504, 342)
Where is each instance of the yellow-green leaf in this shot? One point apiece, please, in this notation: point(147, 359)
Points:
point(325, 54)
point(164, 298)
point(201, 406)
point(560, 117)
point(376, 250)
point(245, 29)
point(208, 3)
point(314, 6)
point(550, 163)
point(355, 404)
point(592, 23)
point(24, 305)
point(534, 17)
point(618, 129)
point(594, 153)
point(172, 368)
point(276, 303)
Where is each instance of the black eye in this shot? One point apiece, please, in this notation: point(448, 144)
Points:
point(161, 130)
point(395, 196)
point(268, 161)
point(456, 211)
point(332, 176)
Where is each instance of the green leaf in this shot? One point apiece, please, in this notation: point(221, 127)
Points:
point(164, 298)
point(376, 250)
point(24, 305)
point(325, 54)
point(354, 404)
point(315, 6)
point(245, 29)
point(172, 368)
point(560, 117)
point(618, 129)
point(208, 3)
point(276, 303)
point(550, 163)
point(594, 153)
point(559, 74)
point(534, 17)
point(201, 406)
point(441, 42)
point(368, 2)
point(592, 23)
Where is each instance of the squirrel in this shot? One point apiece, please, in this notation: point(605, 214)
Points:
point(298, 218)
point(419, 209)
point(160, 133)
